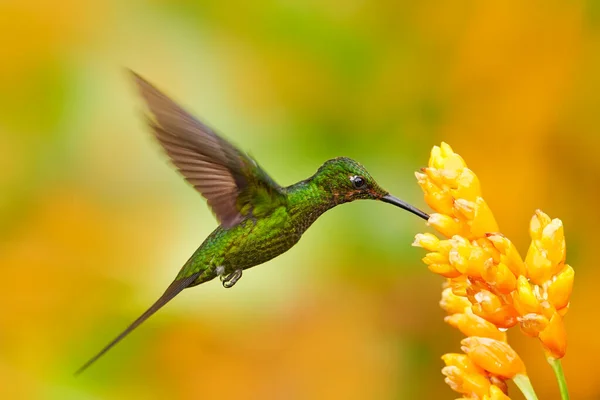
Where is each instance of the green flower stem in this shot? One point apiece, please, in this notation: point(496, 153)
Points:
point(560, 377)
point(523, 383)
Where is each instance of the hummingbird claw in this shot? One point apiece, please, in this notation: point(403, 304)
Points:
point(231, 279)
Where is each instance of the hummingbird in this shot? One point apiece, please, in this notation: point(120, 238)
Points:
point(259, 219)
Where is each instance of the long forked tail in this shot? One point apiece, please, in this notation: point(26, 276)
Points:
point(173, 290)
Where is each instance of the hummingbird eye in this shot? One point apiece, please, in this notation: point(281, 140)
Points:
point(359, 182)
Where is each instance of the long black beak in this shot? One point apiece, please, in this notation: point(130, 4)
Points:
point(388, 198)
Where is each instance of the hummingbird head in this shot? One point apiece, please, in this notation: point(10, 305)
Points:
point(347, 180)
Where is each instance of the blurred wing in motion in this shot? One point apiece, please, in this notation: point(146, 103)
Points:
point(232, 182)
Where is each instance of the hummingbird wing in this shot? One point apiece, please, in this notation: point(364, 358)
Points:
point(233, 183)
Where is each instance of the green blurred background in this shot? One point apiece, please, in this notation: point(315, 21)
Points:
point(94, 223)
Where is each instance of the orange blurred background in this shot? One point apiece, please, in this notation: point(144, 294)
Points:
point(94, 223)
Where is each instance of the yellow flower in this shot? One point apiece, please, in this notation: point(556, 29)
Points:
point(489, 286)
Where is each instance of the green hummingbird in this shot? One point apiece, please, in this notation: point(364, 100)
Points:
point(259, 219)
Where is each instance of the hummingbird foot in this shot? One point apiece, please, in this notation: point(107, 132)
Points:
point(231, 279)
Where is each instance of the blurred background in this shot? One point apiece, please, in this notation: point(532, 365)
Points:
point(94, 223)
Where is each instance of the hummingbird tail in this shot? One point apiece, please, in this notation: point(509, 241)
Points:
point(173, 290)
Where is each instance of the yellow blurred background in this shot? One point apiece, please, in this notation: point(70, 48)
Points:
point(94, 223)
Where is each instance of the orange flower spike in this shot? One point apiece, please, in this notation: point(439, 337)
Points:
point(452, 303)
point(472, 325)
point(509, 254)
point(554, 337)
point(560, 288)
point(494, 356)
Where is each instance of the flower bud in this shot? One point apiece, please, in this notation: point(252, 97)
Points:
point(524, 298)
point(463, 362)
point(510, 256)
point(467, 258)
point(494, 356)
point(452, 303)
point(499, 277)
point(459, 285)
point(491, 308)
point(447, 225)
point(559, 289)
point(472, 325)
point(553, 241)
point(467, 186)
point(539, 268)
point(500, 383)
point(435, 258)
point(537, 224)
point(496, 394)
point(532, 324)
point(443, 157)
point(428, 241)
point(483, 221)
point(462, 382)
point(554, 337)
point(445, 270)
